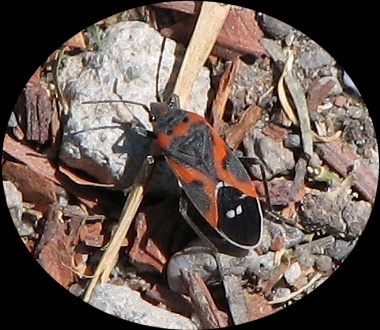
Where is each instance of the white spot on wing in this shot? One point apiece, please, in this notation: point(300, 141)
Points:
point(230, 214)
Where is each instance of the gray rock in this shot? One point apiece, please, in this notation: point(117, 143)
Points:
point(314, 58)
point(306, 259)
point(14, 202)
point(355, 112)
point(340, 249)
point(196, 258)
point(274, 27)
point(127, 304)
point(125, 64)
point(292, 236)
point(356, 215)
point(337, 89)
point(276, 158)
point(281, 293)
point(323, 214)
point(293, 273)
point(324, 263)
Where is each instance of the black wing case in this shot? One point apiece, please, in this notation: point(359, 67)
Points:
point(240, 217)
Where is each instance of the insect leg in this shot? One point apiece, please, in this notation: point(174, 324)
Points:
point(271, 213)
point(203, 237)
point(257, 161)
point(141, 130)
point(150, 160)
point(174, 101)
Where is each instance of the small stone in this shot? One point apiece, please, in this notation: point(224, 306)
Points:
point(274, 27)
point(196, 258)
point(324, 263)
point(340, 101)
point(356, 215)
point(355, 112)
point(14, 202)
point(340, 249)
point(292, 274)
point(315, 59)
point(292, 141)
point(306, 259)
point(277, 159)
point(12, 122)
point(281, 293)
point(127, 304)
point(337, 88)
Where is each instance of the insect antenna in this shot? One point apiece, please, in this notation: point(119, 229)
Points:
point(121, 100)
point(158, 96)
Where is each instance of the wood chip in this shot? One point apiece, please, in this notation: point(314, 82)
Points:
point(77, 41)
point(241, 33)
point(236, 299)
point(237, 132)
point(35, 188)
point(210, 316)
point(317, 93)
point(222, 95)
point(188, 7)
point(34, 160)
point(54, 251)
point(75, 177)
point(176, 302)
point(339, 156)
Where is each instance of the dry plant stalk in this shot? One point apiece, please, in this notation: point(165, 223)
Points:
point(109, 257)
point(201, 43)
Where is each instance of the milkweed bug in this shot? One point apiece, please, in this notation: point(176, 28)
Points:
point(209, 173)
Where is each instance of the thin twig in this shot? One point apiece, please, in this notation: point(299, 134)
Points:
point(109, 257)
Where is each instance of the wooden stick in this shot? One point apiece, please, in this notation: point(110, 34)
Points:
point(110, 256)
point(210, 22)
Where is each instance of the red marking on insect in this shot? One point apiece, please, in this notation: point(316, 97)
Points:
point(211, 175)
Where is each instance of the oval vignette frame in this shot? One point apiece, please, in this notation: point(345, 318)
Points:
point(298, 306)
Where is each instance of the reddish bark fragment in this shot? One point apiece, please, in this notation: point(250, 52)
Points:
point(34, 187)
point(91, 234)
point(188, 7)
point(342, 159)
point(258, 306)
point(77, 41)
point(276, 132)
point(39, 108)
point(54, 251)
point(222, 95)
point(242, 33)
point(236, 133)
point(317, 93)
point(35, 161)
point(210, 316)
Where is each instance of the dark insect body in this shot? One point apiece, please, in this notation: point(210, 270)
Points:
point(210, 174)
